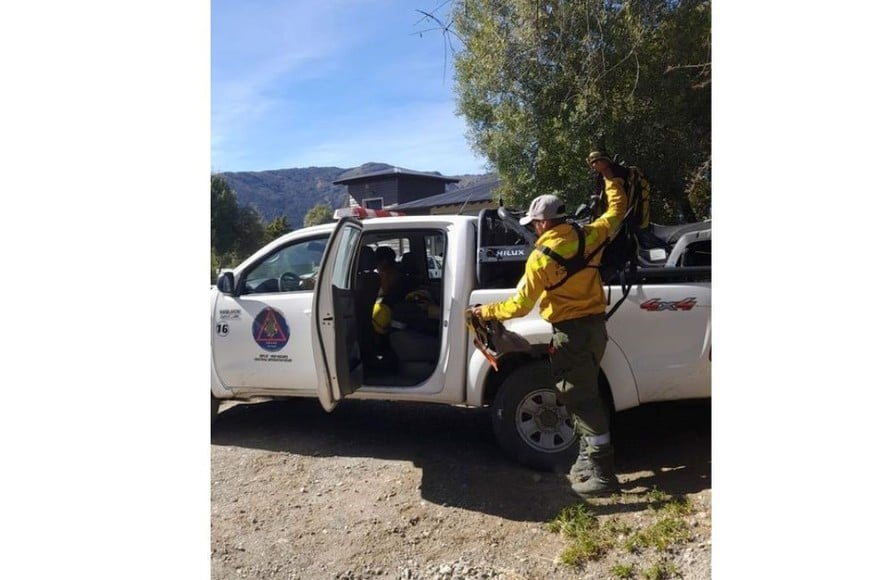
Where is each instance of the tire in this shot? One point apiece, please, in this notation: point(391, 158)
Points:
point(530, 424)
point(215, 405)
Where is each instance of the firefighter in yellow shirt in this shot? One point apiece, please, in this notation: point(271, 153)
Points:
point(574, 303)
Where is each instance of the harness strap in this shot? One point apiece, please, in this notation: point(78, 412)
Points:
point(626, 286)
point(625, 282)
point(575, 263)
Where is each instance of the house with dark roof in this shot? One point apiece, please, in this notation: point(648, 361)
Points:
point(416, 192)
point(393, 186)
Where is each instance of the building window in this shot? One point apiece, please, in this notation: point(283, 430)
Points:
point(373, 203)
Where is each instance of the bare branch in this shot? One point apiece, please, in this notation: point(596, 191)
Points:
point(703, 76)
point(429, 16)
point(446, 32)
point(674, 67)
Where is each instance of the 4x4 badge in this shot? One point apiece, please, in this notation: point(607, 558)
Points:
point(657, 305)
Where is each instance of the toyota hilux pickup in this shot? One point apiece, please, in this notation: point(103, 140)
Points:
point(295, 320)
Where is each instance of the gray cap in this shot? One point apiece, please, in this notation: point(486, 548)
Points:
point(544, 207)
point(596, 155)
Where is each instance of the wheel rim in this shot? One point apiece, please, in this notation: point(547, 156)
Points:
point(544, 423)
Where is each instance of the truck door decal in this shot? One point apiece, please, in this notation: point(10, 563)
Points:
point(270, 329)
point(230, 314)
point(658, 305)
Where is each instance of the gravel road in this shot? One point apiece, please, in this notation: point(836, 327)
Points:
point(410, 491)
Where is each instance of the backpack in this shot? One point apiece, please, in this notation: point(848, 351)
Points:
point(639, 195)
point(620, 254)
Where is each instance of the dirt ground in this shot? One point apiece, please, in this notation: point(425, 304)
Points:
point(410, 491)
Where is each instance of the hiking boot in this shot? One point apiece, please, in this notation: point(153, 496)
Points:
point(602, 480)
point(582, 468)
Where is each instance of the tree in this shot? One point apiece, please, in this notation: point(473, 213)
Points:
point(319, 214)
point(236, 231)
point(224, 213)
point(277, 228)
point(249, 231)
point(542, 82)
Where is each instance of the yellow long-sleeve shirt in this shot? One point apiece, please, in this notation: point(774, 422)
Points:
point(582, 294)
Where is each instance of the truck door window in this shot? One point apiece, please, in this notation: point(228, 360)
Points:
point(434, 256)
point(292, 268)
point(341, 276)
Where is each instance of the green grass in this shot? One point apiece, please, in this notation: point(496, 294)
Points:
point(623, 571)
point(661, 571)
point(616, 528)
point(664, 533)
point(589, 541)
point(573, 521)
point(657, 496)
point(592, 538)
point(584, 549)
point(680, 506)
point(669, 528)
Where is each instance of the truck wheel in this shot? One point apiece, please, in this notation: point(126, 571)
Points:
point(215, 405)
point(530, 423)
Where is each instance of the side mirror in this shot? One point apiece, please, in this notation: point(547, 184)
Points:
point(226, 283)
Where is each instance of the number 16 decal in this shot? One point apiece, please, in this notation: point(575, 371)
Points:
point(223, 329)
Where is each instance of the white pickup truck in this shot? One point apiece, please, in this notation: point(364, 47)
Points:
point(294, 320)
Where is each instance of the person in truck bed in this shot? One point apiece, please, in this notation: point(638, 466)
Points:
point(573, 301)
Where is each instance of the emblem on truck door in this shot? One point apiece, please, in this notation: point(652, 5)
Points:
point(270, 329)
point(657, 305)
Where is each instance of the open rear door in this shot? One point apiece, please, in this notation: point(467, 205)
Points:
point(336, 348)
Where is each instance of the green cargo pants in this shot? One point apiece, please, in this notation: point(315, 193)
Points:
point(575, 357)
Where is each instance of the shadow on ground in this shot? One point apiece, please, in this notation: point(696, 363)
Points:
point(663, 446)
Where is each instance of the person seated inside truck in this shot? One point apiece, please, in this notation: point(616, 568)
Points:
point(391, 278)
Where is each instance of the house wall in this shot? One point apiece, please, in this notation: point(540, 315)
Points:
point(386, 187)
point(412, 187)
point(396, 188)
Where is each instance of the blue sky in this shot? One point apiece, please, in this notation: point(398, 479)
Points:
point(299, 83)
